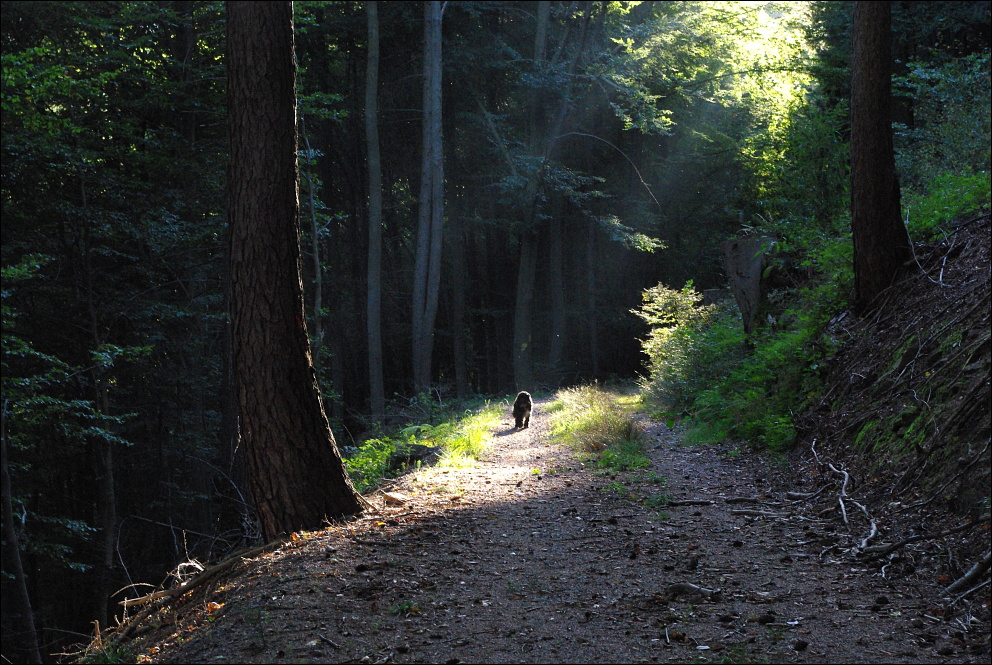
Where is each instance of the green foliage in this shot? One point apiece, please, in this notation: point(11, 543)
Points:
point(687, 349)
point(948, 197)
point(700, 368)
point(952, 112)
point(462, 438)
point(369, 463)
point(798, 182)
point(108, 653)
point(404, 608)
point(599, 423)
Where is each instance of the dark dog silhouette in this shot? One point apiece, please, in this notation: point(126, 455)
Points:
point(521, 409)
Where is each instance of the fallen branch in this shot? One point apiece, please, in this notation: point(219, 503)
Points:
point(969, 592)
point(688, 589)
point(691, 502)
point(886, 549)
point(805, 496)
point(874, 527)
point(843, 493)
point(758, 513)
point(202, 577)
point(973, 575)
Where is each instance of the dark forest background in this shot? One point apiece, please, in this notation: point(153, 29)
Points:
point(617, 156)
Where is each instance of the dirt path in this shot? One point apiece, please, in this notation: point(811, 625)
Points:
point(530, 557)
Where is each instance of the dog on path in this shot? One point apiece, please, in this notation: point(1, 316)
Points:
point(521, 409)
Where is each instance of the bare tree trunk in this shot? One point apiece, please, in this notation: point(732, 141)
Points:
point(591, 298)
point(20, 639)
point(523, 314)
point(374, 298)
point(103, 458)
point(297, 476)
point(458, 281)
point(542, 140)
point(556, 283)
point(881, 242)
point(318, 273)
point(427, 271)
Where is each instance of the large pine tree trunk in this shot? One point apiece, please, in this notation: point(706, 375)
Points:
point(374, 299)
point(881, 243)
point(298, 480)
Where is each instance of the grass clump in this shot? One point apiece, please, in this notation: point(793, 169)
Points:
point(470, 438)
point(458, 439)
point(600, 424)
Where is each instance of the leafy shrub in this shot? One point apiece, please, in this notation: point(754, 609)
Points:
point(952, 115)
point(369, 463)
point(700, 368)
point(686, 349)
point(948, 197)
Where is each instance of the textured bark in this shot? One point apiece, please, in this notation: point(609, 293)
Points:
point(881, 242)
point(298, 480)
point(743, 259)
point(591, 297)
point(374, 296)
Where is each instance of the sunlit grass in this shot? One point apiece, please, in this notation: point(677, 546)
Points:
point(470, 438)
point(600, 424)
point(461, 440)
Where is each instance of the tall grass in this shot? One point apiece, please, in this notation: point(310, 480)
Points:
point(599, 424)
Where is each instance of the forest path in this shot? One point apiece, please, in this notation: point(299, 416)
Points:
point(529, 556)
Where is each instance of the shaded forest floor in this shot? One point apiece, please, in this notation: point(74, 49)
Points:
point(711, 554)
point(530, 556)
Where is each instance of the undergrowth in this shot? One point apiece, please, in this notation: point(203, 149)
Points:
point(599, 424)
point(459, 438)
point(722, 387)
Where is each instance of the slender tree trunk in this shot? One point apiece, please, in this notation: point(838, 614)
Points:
point(318, 272)
point(523, 312)
point(427, 271)
point(459, 281)
point(591, 298)
point(297, 476)
point(542, 140)
point(20, 639)
point(523, 350)
point(103, 458)
point(556, 282)
point(881, 242)
point(374, 300)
